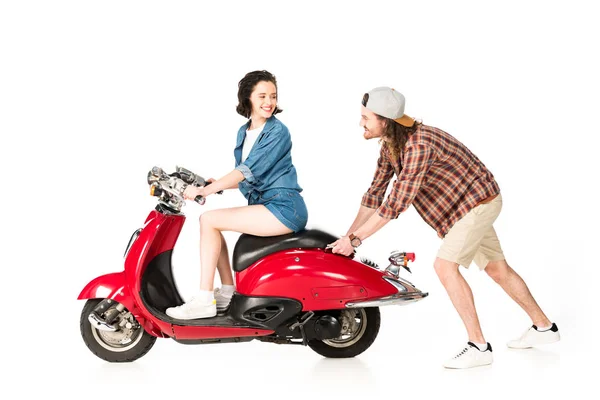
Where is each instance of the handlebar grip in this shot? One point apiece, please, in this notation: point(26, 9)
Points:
point(200, 200)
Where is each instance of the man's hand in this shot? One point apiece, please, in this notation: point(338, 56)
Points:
point(342, 246)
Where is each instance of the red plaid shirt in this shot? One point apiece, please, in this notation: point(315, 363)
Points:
point(437, 174)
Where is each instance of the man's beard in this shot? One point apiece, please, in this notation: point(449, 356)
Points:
point(370, 135)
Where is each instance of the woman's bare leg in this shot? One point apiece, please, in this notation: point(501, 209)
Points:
point(223, 264)
point(254, 220)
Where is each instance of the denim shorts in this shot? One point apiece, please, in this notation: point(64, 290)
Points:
point(287, 205)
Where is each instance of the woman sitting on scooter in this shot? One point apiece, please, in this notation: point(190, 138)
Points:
point(265, 175)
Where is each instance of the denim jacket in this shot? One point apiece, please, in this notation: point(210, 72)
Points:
point(269, 163)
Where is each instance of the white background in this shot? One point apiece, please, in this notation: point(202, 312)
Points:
point(93, 94)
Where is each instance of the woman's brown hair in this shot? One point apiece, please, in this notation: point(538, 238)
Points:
point(247, 85)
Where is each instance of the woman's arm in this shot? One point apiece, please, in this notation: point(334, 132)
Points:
point(273, 146)
point(229, 181)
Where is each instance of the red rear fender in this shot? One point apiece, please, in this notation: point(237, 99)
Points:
point(318, 279)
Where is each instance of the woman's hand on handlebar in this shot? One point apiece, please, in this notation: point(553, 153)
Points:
point(191, 192)
point(210, 190)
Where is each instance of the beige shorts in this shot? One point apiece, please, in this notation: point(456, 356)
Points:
point(473, 237)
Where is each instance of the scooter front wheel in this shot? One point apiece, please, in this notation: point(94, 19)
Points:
point(128, 342)
point(360, 327)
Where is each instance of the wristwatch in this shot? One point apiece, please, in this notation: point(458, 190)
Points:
point(354, 240)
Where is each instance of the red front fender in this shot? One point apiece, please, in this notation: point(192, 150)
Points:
point(112, 286)
point(109, 286)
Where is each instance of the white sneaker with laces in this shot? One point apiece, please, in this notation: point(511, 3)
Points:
point(532, 337)
point(470, 357)
point(223, 299)
point(193, 309)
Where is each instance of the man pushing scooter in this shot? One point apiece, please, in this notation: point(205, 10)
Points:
point(458, 196)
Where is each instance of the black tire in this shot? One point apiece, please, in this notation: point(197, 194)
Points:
point(140, 341)
point(370, 319)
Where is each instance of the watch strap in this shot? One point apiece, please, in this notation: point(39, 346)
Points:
point(352, 238)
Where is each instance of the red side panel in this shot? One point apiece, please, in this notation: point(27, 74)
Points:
point(317, 279)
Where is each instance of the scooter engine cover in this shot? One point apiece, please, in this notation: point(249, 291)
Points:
point(327, 327)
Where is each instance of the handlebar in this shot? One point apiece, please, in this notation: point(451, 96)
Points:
point(201, 200)
point(169, 188)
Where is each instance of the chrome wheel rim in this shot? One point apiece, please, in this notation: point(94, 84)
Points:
point(357, 321)
point(118, 341)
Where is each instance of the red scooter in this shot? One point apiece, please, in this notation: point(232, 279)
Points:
point(290, 289)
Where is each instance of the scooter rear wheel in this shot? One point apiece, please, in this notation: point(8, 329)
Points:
point(362, 328)
point(123, 345)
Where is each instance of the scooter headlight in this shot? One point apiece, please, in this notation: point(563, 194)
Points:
point(397, 284)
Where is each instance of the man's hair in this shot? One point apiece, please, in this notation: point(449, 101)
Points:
point(396, 135)
point(247, 85)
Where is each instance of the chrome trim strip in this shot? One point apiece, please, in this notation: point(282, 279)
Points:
point(395, 299)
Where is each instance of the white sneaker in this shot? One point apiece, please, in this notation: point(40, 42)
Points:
point(532, 337)
point(470, 357)
point(223, 299)
point(193, 309)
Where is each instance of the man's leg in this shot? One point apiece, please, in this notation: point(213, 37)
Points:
point(516, 288)
point(477, 352)
point(543, 330)
point(461, 296)
point(459, 247)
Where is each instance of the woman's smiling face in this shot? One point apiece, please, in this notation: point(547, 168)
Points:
point(263, 100)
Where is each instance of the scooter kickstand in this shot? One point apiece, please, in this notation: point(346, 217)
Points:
point(303, 320)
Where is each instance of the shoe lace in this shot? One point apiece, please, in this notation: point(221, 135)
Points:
point(462, 352)
point(525, 332)
point(186, 304)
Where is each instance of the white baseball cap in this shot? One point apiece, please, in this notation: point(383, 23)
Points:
point(389, 103)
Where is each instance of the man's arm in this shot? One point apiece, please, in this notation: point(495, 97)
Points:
point(417, 162)
point(367, 222)
point(373, 198)
point(372, 225)
point(364, 213)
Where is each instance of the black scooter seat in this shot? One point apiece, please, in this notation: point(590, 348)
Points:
point(250, 249)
